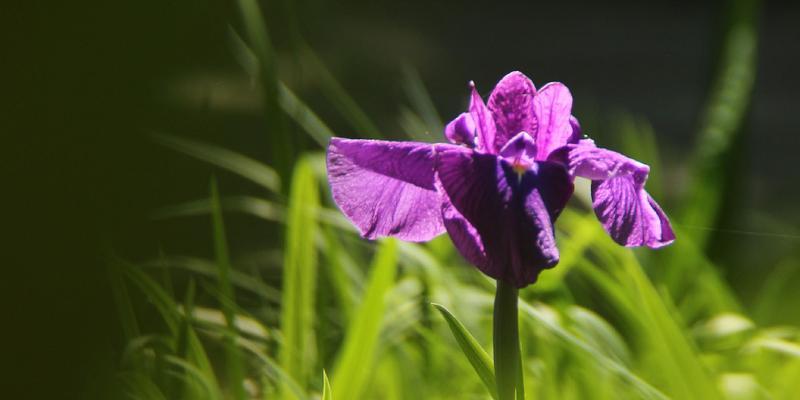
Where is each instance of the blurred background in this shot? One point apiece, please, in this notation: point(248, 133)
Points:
point(122, 116)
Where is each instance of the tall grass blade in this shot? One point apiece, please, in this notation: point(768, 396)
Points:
point(233, 357)
point(291, 104)
point(297, 352)
point(723, 119)
point(257, 36)
point(356, 360)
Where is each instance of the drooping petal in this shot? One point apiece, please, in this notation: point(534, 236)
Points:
point(588, 161)
point(511, 104)
point(461, 130)
point(484, 122)
point(386, 188)
point(501, 220)
point(519, 150)
point(552, 108)
point(629, 215)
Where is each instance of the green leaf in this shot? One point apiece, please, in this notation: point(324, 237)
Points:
point(338, 96)
point(297, 353)
point(356, 360)
point(227, 298)
point(257, 35)
point(480, 361)
point(239, 164)
point(598, 333)
point(327, 392)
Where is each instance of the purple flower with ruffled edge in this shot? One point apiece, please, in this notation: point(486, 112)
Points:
point(499, 186)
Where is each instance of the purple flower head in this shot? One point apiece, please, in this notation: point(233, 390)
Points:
point(498, 186)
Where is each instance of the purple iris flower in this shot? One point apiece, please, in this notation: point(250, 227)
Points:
point(499, 187)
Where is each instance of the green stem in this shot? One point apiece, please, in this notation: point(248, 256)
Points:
point(506, 340)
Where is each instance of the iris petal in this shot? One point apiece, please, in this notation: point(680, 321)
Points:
point(484, 122)
point(386, 188)
point(552, 108)
point(461, 130)
point(511, 104)
point(628, 213)
point(520, 149)
point(501, 220)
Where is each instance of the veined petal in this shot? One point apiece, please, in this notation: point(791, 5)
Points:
point(629, 215)
point(519, 150)
point(552, 108)
point(577, 133)
point(501, 220)
point(461, 130)
point(591, 162)
point(484, 122)
point(511, 104)
point(386, 188)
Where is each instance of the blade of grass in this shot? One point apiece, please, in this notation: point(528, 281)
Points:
point(645, 389)
point(327, 392)
point(356, 360)
point(723, 118)
point(208, 268)
point(239, 164)
point(233, 357)
point(297, 352)
point(338, 96)
point(291, 104)
point(421, 101)
point(122, 300)
point(166, 307)
point(477, 357)
point(303, 115)
point(255, 206)
point(257, 36)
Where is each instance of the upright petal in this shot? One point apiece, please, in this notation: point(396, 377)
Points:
point(627, 212)
point(520, 150)
point(577, 133)
point(552, 108)
point(498, 218)
point(461, 130)
point(511, 104)
point(386, 188)
point(484, 122)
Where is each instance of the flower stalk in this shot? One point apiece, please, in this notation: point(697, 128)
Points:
point(506, 341)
